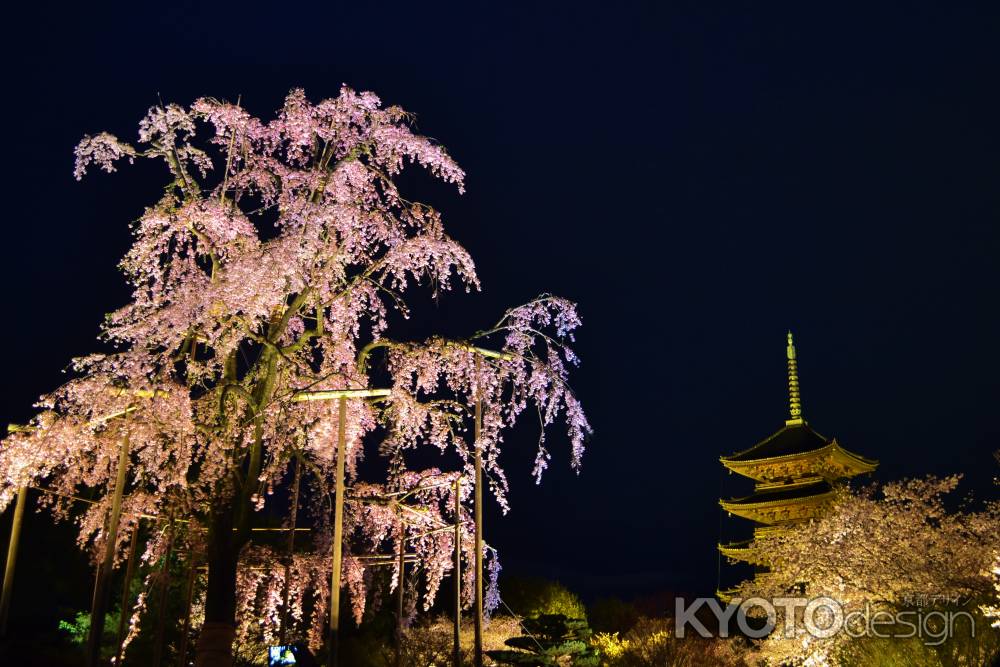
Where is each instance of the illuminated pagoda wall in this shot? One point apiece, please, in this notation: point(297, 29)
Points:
point(795, 471)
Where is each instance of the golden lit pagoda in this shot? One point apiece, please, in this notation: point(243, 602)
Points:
point(795, 471)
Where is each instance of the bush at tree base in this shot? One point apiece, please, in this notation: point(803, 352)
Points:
point(550, 639)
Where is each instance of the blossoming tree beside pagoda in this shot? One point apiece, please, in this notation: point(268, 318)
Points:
point(278, 275)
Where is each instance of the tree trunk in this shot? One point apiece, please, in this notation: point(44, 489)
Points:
point(228, 532)
point(215, 645)
point(215, 641)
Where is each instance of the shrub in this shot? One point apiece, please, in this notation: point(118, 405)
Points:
point(78, 629)
point(428, 643)
point(532, 596)
point(550, 639)
point(651, 643)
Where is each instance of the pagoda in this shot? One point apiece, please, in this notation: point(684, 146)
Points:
point(795, 471)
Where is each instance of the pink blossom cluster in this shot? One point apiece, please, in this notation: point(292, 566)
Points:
point(274, 264)
point(102, 150)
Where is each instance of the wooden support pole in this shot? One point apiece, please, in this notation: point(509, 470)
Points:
point(400, 591)
point(161, 615)
point(457, 639)
point(129, 573)
point(301, 396)
point(188, 599)
point(283, 629)
point(98, 609)
point(12, 545)
point(477, 447)
point(338, 535)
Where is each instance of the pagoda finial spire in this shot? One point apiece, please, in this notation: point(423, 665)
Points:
point(794, 398)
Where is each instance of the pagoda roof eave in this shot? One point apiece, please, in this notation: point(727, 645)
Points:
point(726, 596)
point(784, 493)
point(745, 554)
point(736, 507)
point(833, 446)
point(763, 512)
point(765, 531)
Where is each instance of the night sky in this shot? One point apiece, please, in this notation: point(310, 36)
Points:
point(699, 179)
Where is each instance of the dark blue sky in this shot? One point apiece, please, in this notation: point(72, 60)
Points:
point(698, 179)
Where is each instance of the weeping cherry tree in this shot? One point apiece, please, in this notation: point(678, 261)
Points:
point(272, 265)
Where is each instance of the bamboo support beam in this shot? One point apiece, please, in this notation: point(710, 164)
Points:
point(423, 516)
point(96, 421)
point(396, 496)
point(400, 593)
point(478, 510)
point(387, 559)
point(287, 584)
point(456, 638)
point(12, 546)
point(139, 393)
point(338, 534)
point(129, 573)
point(98, 609)
point(188, 599)
point(418, 489)
point(280, 530)
point(327, 395)
point(484, 352)
point(161, 616)
point(376, 561)
point(297, 397)
point(442, 529)
point(156, 517)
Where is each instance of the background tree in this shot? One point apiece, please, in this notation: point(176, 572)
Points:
point(278, 275)
point(534, 596)
point(888, 548)
point(992, 610)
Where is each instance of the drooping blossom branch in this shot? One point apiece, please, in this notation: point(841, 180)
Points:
point(417, 507)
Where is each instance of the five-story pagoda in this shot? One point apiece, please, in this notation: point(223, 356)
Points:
point(795, 471)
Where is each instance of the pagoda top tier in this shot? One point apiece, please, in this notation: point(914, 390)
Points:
point(796, 450)
point(791, 439)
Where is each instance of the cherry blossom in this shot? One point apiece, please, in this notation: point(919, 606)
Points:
point(878, 547)
point(275, 263)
